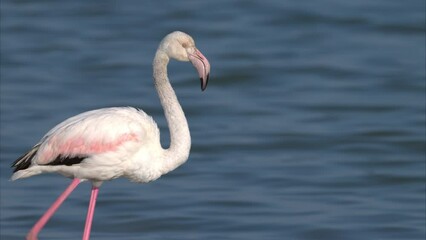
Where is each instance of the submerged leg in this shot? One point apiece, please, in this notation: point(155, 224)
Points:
point(32, 234)
point(90, 213)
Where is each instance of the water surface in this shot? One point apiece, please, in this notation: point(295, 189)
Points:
point(312, 126)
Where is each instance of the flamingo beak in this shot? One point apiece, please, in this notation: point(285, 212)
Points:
point(202, 65)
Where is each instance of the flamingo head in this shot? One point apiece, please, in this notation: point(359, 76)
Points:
point(181, 46)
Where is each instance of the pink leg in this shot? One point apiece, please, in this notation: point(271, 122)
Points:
point(32, 234)
point(90, 213)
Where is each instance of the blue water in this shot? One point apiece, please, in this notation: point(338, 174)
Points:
point(312, 126)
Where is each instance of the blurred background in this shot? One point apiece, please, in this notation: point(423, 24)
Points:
point(312, 126)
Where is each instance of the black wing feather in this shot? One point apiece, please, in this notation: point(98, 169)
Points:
point(67, 161)
point(24, 161)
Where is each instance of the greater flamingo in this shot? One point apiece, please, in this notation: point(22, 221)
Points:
point(108, 143)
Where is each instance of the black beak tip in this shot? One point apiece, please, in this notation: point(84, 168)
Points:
point(204, 86)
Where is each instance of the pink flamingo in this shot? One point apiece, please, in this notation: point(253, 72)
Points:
point(108, 143)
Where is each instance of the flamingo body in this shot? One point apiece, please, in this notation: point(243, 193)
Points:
point(98, 145)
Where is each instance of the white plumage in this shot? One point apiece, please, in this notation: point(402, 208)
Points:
point(113, 141)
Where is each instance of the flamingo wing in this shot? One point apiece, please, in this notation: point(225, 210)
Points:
point(87, 134)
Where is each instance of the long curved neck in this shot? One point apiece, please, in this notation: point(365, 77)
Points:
point(180, 138)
